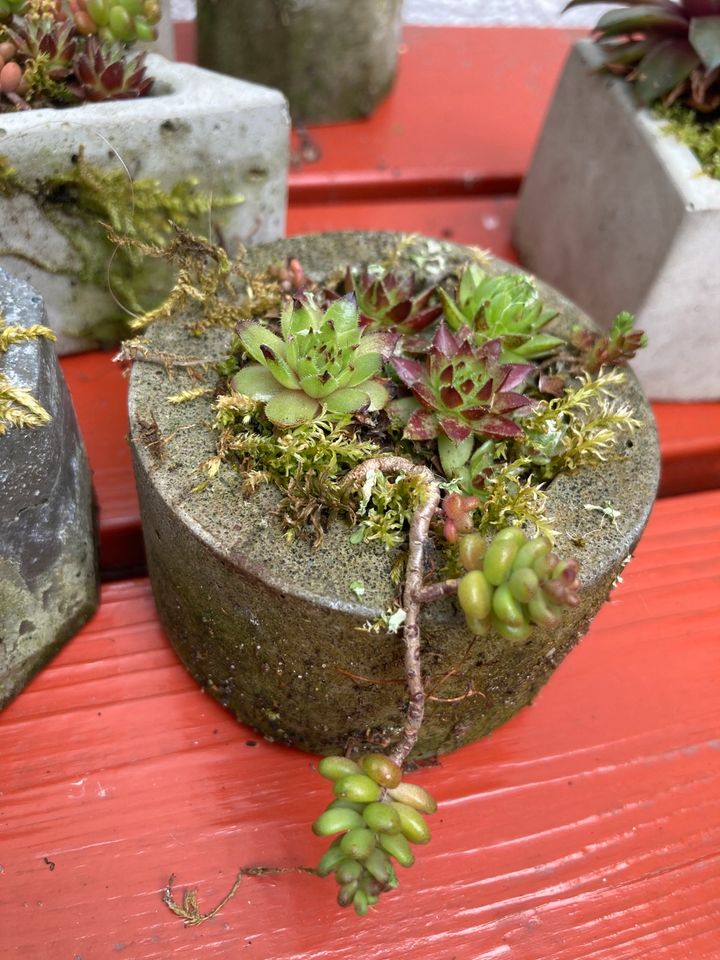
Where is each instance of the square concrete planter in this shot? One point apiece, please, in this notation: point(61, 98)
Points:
point(618, 215)
point(230, 135)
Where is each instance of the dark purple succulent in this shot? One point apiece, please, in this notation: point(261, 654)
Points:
point(460, 392)
point(390, 300)
point(670, 50)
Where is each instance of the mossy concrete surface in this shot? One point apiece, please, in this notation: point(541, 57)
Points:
point(48, 571)
point(271, 629)
point(333, 59)
point(231, 137)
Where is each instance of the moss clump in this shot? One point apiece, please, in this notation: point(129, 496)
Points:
point(106, 218)
point(700, 134)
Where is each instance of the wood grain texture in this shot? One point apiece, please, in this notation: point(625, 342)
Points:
point(587, 828)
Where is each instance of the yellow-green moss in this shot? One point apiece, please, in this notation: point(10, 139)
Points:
point(18, 407)
point(93, 209)
point(701, 135)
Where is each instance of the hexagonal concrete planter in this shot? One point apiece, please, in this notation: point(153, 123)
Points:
point(618, 215)
point(270, 628)
point(231, 136)
point(48, 570)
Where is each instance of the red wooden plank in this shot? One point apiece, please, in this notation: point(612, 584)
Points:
point(482, 221)
point(690, 442)
point(99, 391)
point(587, 828)
point(461, 119)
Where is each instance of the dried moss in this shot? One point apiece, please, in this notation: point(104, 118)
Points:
point(18, 407)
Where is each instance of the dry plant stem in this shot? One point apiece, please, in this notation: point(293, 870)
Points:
point(189, 910)
point(412, 590)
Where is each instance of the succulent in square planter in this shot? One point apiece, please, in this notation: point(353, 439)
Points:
point(385, 484)
point(333, 59)
point(626, 180)
point(101, 144)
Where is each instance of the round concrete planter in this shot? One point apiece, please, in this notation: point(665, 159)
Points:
point(230, 137)
point(271, 629)
point(333, 59)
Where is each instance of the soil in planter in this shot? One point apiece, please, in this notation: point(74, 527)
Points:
point(273, 627)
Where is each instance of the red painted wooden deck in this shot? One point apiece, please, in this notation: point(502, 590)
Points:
point(587, 828)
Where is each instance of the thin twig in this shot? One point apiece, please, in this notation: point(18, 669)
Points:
point(438, 591)
point(418, 538)
point(189, 910)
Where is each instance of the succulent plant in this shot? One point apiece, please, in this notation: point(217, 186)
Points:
point(670, 50)
point(54, 41)
point(117, 20)
point(376, 815)
point(514, 582)
point(506, 307)
point(324, 361)
point(105, 72)
point(387, 299)
point(460, 392)
point(617, 347)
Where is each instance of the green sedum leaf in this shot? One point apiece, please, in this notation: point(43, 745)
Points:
point(290, 408)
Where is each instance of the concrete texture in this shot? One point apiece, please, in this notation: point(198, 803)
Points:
point(619, 216)
point(333, 59)
point(232, 136)
point(48, 574)
point(270, 629)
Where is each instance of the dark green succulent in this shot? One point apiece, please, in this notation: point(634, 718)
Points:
point(323, 362)
point(506, 307)
point(669, 50)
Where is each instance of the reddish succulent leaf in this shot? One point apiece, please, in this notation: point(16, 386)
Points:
point(666, 65)
point(457, 432)
point(701, 8)
point(451, 397)
point(485, 392)
point(422, 425)
point(444, 342)
point(513, 374)
point(409, 371)
point(705, 39)
point(112, 76)
point(497, 428)
point(505, 402)
point(401, 311)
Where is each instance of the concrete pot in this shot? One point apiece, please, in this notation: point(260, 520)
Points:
point(229, 135)
point(333, 59)
point(48, 570)
point(619, 216)
point(271, 629)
